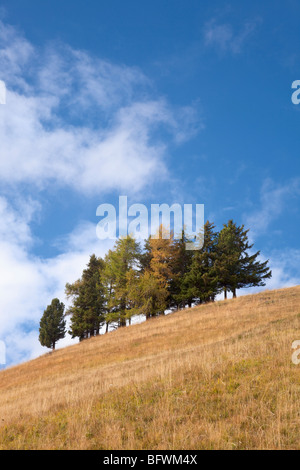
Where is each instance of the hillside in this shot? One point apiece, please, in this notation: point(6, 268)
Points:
point(217, 376)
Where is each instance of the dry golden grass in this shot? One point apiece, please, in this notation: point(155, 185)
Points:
point(219, 376)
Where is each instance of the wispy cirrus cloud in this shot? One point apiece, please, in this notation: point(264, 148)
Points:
point(224, 38)
point(274, 198)
point(284, 267)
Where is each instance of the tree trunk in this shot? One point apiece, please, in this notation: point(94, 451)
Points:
point(234, 293)
point(225, 293)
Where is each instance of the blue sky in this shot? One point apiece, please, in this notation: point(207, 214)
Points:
point(162, 101)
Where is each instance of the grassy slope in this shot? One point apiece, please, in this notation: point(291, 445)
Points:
point(218, 376)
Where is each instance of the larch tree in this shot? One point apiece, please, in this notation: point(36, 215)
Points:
point(146, 294)
point(149, 285)
point(119, 262)
point(161, 249)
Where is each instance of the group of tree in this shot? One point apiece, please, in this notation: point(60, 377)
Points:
point(154, 278)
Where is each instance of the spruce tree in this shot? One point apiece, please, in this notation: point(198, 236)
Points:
point(146, 255)
point(235, 266)
point(88, 308)
point(52, 324)
point(201, 282)
point(180, 262)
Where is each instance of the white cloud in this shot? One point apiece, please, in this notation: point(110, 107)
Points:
point(15, 52)
point(87, 160)
point(80, 121)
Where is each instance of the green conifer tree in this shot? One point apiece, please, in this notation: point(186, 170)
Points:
point(88, 308)
point(52, 324)
point(120, 261)
point(201, 282)
point(146, 294)
point(180, 262)
point(235, 266)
